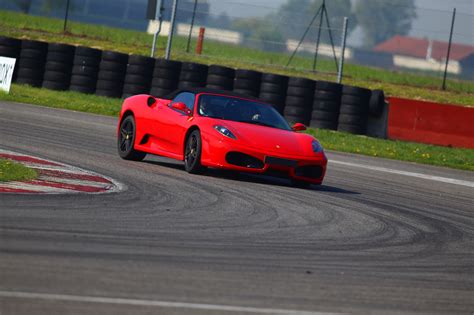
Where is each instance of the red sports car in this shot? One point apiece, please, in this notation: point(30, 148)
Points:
point(212, 128)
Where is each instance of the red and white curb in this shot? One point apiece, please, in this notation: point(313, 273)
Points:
point(57, 178)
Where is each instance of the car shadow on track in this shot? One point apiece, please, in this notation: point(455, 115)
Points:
point(251, 178)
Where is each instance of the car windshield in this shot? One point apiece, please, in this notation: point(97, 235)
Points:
point(240, 110)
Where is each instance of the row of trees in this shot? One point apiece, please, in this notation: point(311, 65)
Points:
point(379, 20)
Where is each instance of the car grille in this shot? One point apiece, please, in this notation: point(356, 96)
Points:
point(243, 160)
point(280, 162)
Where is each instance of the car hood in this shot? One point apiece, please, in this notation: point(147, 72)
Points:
point(270, 139)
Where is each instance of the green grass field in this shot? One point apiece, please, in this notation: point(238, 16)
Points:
point(11, 171)
point(331, 140)
point(394, 83)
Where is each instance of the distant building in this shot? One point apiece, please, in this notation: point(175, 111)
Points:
point(423, 48)
point(426, 54)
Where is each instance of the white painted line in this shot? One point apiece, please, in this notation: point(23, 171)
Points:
point(405, 173)
point(76, 182)
point(111, 187)
point(137, 302)
point(37, 188)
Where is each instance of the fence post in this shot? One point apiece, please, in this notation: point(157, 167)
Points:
point(170, 34)
point(449, 49)
point(158, 18)
point(191, 27)
point(343, 50)
point(200, 40)
point(66, 16)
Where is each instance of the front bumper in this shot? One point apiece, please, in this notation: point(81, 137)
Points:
point(216, 151)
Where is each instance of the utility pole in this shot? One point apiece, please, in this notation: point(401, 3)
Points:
point(66, 16)
point(343, 51)
point(449, 49)
point(172, 25)
point(323, 10)
point(159, 18)
point(192, 25)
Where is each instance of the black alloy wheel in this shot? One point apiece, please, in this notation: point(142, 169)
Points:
point(126, 139)
point(192, 153)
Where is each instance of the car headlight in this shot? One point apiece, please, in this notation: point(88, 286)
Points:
point(225, 132)
point(317, 147)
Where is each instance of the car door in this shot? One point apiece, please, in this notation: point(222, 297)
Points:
point(174, 123)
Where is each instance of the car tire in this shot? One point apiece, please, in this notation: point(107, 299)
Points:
point(126, 140)
point(192, 153)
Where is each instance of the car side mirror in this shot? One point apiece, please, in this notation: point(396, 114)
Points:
point(298, 127)
point(182, 108)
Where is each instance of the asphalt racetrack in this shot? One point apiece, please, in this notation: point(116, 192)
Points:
point(378, 237)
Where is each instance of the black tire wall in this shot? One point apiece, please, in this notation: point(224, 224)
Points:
point(165, 77)
point(31, 62)
point(221, 78)
point(58, 67)
point(111, 75)
point(85, 69)
point(192, 75)
point(354, 109)
point(138, 75)
point(247, 82)
point(10, 47)
point(326, 105)
point(299, 100)
point(316, 103)
point(273, 90)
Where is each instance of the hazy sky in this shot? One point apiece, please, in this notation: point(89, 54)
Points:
point(433, 21)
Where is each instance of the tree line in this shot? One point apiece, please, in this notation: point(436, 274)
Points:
point(378, 20)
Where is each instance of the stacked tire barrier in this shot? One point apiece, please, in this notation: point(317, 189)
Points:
point(31, 63)
point(354, 109)
point(299, 100)
point(376, 103)
point(326, 105)
point(10, 47)
point(58, 67)
point(273, 90)
point(320, 104)
point(192, 75)
point(111, 74)
point(247, 82)
point(165, 77)
point(138, 75)
point(85, 69)
point(221, 78)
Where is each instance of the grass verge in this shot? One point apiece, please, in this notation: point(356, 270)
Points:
point(88, 103)
point(394, 83)
point(331, 140)
point(396, 150)
point(11, 171)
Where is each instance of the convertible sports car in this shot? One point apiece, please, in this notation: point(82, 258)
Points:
point(212, 128)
